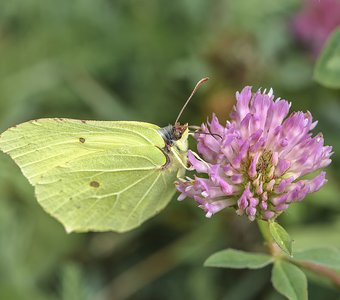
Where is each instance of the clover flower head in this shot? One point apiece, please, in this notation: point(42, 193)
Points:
point(255, 162)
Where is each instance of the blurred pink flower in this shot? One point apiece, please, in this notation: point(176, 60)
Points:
point(316, 20)
point(254, 162)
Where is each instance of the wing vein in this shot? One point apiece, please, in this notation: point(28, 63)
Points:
point(118, 194)
point(141, 200)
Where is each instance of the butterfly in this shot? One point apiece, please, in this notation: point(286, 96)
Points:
point(100, 175)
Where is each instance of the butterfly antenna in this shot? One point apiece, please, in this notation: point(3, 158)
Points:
point(192, 93)
point(212, 134)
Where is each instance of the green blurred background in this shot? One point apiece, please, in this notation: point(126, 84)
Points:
point(139, 60)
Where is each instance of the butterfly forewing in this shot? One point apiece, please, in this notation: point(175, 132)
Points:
point(94, 175)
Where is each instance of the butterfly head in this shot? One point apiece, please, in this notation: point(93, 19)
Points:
point(172, 134)
point(178, 131)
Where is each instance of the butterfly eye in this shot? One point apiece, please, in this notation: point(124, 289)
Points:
point(177, 131)
point(177, 135)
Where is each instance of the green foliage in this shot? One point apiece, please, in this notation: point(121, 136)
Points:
point(327, 257)
point(289, 280)
point(237, 259)
point(281, 237)
point(327, 69)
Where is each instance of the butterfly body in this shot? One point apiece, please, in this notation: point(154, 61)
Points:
point(99, 175)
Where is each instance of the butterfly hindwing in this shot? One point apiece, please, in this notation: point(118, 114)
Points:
point(94, 175)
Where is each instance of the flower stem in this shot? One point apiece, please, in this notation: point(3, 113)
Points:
point(273, 249)
point(264, 229)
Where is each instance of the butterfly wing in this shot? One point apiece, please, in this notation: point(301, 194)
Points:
point(95, 175)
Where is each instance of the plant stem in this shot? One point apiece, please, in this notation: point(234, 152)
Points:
point(268, 240)
point(264, 229)
point(275, 251)
point(332, 275)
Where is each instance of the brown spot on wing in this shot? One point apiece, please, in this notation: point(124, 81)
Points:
point(82, 140)
point(94, 184)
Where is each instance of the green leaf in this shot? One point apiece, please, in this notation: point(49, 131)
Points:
point(236, 259)
point(289, 281)
point(327, 69)
point(281, 237)
point(328, 257)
